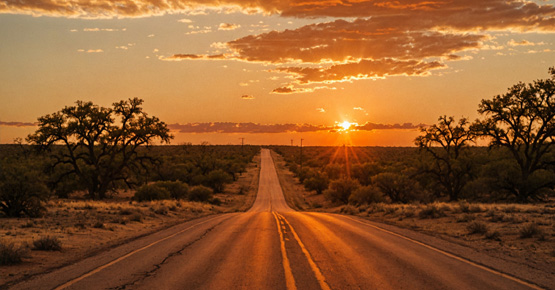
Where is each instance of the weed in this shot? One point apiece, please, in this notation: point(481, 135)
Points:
point(349, 209)
point(493, 235)
point(98, 225)
point(530, 230)
point(136, 217)
point(466, 218)
point(431, 212)
point(47, 243)
point(11, 254)
point(161, 209)
point(126, 211)
point(477, 228)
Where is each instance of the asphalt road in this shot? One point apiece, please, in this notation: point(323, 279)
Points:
point(274, 247)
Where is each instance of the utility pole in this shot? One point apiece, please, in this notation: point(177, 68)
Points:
point(291, 142)
point(242, 143)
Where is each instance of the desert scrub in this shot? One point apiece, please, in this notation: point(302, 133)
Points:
point(464, 218)
point(530, 230)
point(477, 227)
point(493, 235)
point(200, 193)
point(47, 243)
point(11, 254)
point(431, 212)
point(349, 209)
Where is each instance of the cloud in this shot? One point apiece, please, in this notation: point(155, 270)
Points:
point(230, 127)
point(512, 42)
point(321, 110)
point(17, 124)
point(179, 57)
point(185, 20)
point(91, 50)
point(228, 26)
point(247, 97)
point(365, 69)
point(290, 89)
point(103, 29)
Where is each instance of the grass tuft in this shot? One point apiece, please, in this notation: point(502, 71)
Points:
point(47, 243)
point(477, 228)
point(11, 254)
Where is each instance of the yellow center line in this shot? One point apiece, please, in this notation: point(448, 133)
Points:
point(321, 279)
point(515, 279)
point(289, 279)
point(96, 270)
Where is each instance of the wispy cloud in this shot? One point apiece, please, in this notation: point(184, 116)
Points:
point(321, 110)
point(17, 124)
point(228, 26)
point(91, 50)
point(247, 97)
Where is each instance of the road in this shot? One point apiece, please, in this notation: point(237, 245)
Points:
point(274, 247)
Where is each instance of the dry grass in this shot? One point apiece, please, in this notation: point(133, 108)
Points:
point(83, 227)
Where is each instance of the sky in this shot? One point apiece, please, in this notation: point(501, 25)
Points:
point(330, 72)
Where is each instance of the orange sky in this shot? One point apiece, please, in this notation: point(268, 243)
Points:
point(271, 71)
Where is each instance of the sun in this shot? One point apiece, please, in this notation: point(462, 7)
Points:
point(345, 126)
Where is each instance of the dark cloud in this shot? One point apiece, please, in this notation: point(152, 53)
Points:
point(17, 124)
point(230, 127)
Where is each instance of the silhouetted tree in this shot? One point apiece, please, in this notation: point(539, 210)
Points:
point(446, 142)
point(523, 121)
point(100, 145)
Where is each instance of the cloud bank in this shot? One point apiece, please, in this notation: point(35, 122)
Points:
point(230, 127)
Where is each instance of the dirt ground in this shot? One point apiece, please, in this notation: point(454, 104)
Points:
point(86, 227)
point(520, 233)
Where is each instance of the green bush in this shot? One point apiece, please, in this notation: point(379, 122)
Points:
point(47, 244)
point(177, 189)
point(217, 180)
point(340, 190)
point(200, 193)
point(366, 195)
point(151, 192)
point(11, 254)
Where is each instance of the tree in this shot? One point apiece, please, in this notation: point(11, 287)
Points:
point(398, 187)
point(523, 121)
point(99, 144)
point(449, 164)
point(317, 182)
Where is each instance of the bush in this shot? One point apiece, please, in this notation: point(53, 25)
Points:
point(366, 195)
point(399, 187)
point(177, 189)
point(200, 193)
point(21, 189)
point(47, 244)
point(318, 183)
point(10, 254)
point(431, 212)
point(151, 192)
point(217, 179)
point(477, 228)
point(493, 235)
point(340, 190)
point(531, 230)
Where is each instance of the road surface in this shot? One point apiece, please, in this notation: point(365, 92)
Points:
point(274, 247)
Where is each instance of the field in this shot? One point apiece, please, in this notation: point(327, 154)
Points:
point(84, 227)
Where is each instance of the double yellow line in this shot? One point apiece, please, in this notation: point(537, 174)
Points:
point(289, 278)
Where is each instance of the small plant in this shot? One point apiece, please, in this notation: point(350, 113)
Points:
point(431, 212)
point(136, 217)
point(464, 207)
point(162, 209)
point(126, 211)
point(349, 209)
point(466, 218)
point(47, 244)
point(477, 228)
point(11, 254)
point(493, 235)
point(530, 230)
point(98, 225)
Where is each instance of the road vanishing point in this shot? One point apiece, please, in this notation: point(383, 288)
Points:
point(271, 246)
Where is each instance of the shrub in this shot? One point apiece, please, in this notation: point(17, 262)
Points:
point(161, 209)
point(200, 193)
point(10, 254)
point(21, 189)
point(151, 192)
point(217, 179)
point(399, 187)
point(477, 228)
point(47, 244)
point(340, 190)
point(349, 209)
point(177, 189)
point(530, 230)
point(366, 195)
point(466, 218)
point(431, 212)
point(318, 183)
point(493, 235)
